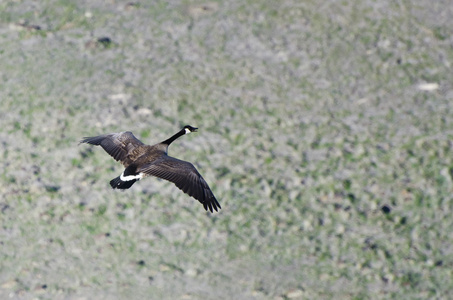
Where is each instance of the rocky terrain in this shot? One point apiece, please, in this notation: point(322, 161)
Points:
point(324, 132)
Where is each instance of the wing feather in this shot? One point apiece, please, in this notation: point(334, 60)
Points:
point(118, 145)
point(186, 177)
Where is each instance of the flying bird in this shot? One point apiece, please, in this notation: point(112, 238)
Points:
point(142, 160)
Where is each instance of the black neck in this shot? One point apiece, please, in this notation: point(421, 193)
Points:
point(173, 138)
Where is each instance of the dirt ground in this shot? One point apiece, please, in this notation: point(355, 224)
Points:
point(324, 132)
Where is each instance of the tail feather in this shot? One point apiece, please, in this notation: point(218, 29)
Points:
point(117, 183)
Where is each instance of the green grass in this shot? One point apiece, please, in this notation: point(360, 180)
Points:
point(333, 169)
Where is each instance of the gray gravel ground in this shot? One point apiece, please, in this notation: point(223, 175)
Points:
point(325, 133)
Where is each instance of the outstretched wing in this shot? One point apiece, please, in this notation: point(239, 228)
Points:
point(184, 175)
point(118, 145)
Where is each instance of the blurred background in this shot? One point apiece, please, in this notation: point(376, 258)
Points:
point(324, 132)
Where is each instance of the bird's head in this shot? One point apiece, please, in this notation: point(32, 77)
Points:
point(189, 129)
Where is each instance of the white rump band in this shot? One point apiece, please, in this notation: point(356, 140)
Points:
point(131, 177)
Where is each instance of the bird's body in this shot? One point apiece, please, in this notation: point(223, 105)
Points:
point(142, 160)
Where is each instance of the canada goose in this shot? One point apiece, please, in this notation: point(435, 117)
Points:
point(142, 160)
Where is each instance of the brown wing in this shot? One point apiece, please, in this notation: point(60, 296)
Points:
point(118, 145)
point(184, 175)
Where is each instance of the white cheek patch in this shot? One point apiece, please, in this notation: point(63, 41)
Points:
point(131, 177)
point(187, 130)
